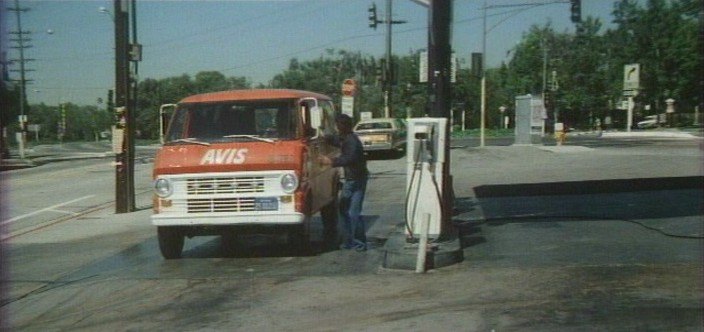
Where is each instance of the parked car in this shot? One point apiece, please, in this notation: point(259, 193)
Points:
point(651, 121)
point(382, 134)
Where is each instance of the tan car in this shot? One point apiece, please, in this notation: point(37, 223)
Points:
point(382, 134)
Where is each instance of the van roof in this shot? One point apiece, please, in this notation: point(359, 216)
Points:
point(252, 94)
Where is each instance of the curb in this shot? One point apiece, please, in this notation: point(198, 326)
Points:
point(12, 164)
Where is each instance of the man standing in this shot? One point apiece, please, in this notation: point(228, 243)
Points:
point(352, 159)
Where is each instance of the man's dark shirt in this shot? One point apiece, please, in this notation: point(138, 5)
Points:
point(351, 156)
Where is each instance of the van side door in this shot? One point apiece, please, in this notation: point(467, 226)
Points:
point(310, 112)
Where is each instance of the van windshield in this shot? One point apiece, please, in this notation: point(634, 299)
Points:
point(234, 121)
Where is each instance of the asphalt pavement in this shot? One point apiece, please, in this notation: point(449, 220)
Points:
point(552, 238)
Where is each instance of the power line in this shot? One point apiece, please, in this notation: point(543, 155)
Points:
point(179, 40)
point(307, 49)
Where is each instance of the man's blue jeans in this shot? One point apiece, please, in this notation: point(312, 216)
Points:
point(351, 210)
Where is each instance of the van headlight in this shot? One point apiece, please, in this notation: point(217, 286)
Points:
point(289, 183)
point(163, 188)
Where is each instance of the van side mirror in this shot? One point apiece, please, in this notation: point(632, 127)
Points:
point(165, 112)
point(315, 117)
point(315, 121)
point(311, 132)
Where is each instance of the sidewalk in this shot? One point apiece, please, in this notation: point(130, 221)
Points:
point(53, 153)
point(651, 133)
point(684, 133)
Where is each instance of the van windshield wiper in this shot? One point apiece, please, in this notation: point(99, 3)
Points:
point(255, 137)
point(190, 140)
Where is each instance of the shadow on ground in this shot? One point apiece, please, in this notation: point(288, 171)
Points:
point(672, 205)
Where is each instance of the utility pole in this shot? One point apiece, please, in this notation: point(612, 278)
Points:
point(482, 120)
point(575, 16)
point(390, 71)
point(134, 55)
point(387, 71)
point(440, 68)
point(124, 160)
point(21, 40)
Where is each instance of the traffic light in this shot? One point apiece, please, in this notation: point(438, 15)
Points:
point(576, 11)
point(111, 101)
point(372, 16)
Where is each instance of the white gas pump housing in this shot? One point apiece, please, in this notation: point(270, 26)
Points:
point(425, 156)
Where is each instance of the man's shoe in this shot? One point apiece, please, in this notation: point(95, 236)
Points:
point(360, 246)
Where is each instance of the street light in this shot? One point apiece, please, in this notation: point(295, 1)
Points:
point(106, 12)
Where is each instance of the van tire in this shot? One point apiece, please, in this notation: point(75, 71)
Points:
point(299, 237)
point(330, 216)
point(170, 242)
point(228, 243)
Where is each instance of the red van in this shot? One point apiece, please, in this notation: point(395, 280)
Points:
point(242, 160)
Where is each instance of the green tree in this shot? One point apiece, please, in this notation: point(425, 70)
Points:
point(153, 93)
point(662, 38)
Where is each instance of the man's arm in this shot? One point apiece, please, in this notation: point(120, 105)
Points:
point(348, 156)
point(333, 140)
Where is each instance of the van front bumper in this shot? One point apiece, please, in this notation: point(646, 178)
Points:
point(223, 219)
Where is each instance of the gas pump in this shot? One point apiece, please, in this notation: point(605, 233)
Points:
point(425, 155)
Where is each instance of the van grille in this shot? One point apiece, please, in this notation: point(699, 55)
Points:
point(234, 204)
point(225, 185)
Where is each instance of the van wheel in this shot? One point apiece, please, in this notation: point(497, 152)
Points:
point(170, 242)
point(299, 237)
point(228, 243)
point(330, 214)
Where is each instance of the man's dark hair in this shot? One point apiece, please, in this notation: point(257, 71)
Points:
point(344, 120)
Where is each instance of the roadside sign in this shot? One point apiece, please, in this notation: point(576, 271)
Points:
point(423, 67)
point(349, 87)
point(630, 93)
point(538, 112)
point(118, 139)
point(348, 106)
point(631, 77)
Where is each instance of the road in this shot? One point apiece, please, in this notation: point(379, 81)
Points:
point(38, 196)
point(576, 237)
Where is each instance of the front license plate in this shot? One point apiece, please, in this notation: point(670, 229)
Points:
point(266, 203)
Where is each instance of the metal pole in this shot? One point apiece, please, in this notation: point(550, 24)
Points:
point(387, 83)
point(545, 66)
point(440, 62)
point(629, 120)
point(464, 116)
point(423, 244)
point(545, 80)
point(122, 99)
point(63, 122)
point(131, 113)
point(482, 121)
point(23, 81)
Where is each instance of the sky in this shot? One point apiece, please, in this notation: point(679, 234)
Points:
point(73, 41)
